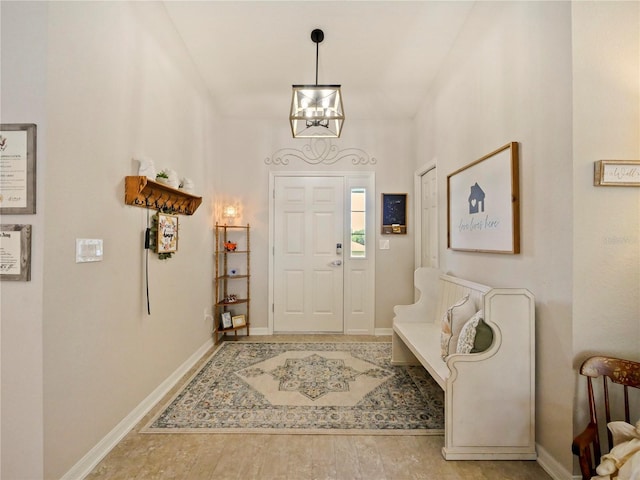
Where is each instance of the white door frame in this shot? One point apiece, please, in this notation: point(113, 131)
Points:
point(359, 274)
point(417, 212)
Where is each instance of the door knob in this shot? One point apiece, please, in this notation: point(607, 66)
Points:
point(336, 263)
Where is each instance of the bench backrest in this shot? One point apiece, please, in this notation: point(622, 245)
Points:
point(453, 289)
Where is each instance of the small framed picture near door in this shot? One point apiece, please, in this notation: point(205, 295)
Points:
point(483, 204)
point(394, 213)
point(225, 320)
point(167, 233)
point(238, 321)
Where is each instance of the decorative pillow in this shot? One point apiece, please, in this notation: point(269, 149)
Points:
point(445, 336)
point(459, 315)
point(623, 431)
point(484, 337)
point(467, 337)
point(452, 323)
point(623, 461)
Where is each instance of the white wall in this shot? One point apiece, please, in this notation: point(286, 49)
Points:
point(245, 178)
point(606, 125)
point(77, 341)
point(508, 78)
point(24, 57)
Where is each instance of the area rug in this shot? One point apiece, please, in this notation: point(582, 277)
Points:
point(314, 388)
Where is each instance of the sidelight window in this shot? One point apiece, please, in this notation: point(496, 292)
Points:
point(358, 224)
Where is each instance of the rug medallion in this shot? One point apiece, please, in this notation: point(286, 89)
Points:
point(304, 388)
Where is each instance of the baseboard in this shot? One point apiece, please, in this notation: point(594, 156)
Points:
point(383, 332)
point(355, 332)
point(552, 466)
point(260, 331)
point(378, 331)
point(102, 448)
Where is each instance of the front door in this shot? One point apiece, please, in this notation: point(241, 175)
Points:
point(308, 264)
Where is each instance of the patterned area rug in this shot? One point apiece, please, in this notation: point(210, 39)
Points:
point(304, 388)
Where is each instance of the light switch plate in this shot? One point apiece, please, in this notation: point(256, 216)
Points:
point(384, 244)
point(88, 250)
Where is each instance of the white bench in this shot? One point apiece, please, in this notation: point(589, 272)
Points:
point(489, 396)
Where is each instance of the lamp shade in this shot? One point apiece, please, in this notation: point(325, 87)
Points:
point(316, 111)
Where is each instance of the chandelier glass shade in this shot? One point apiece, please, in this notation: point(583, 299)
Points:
point(316, 110)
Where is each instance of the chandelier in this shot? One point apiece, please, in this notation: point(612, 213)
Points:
point(316, 110)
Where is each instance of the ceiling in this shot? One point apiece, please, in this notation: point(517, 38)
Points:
point(385, 54)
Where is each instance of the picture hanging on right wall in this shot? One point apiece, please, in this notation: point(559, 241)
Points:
point(617, 173)
point(483, 204)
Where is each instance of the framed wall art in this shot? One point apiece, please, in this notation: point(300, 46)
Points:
point(394, 213)
point(619, 173)
point(483, 205)
point(15, 252)
point(167, 241)
point(18, 167)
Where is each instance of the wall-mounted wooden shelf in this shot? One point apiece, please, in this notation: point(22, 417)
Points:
point(142, 192)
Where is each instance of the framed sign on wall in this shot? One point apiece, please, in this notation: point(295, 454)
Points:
point(619, 173)
point(483, 205)
point(18, 167)
point(15, 252)
point(394, 213)
point(167, 241)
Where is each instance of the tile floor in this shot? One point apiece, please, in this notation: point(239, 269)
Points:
point(295, 457)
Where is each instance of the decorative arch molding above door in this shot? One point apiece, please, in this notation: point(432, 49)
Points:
point(320, 151)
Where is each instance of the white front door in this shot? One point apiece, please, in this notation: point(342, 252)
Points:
point(308, 268)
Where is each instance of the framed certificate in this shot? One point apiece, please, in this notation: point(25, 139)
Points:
point(17, 168)
point(15, 252)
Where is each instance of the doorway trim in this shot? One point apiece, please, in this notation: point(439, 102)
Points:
point(359, 274)
point(417, 212)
